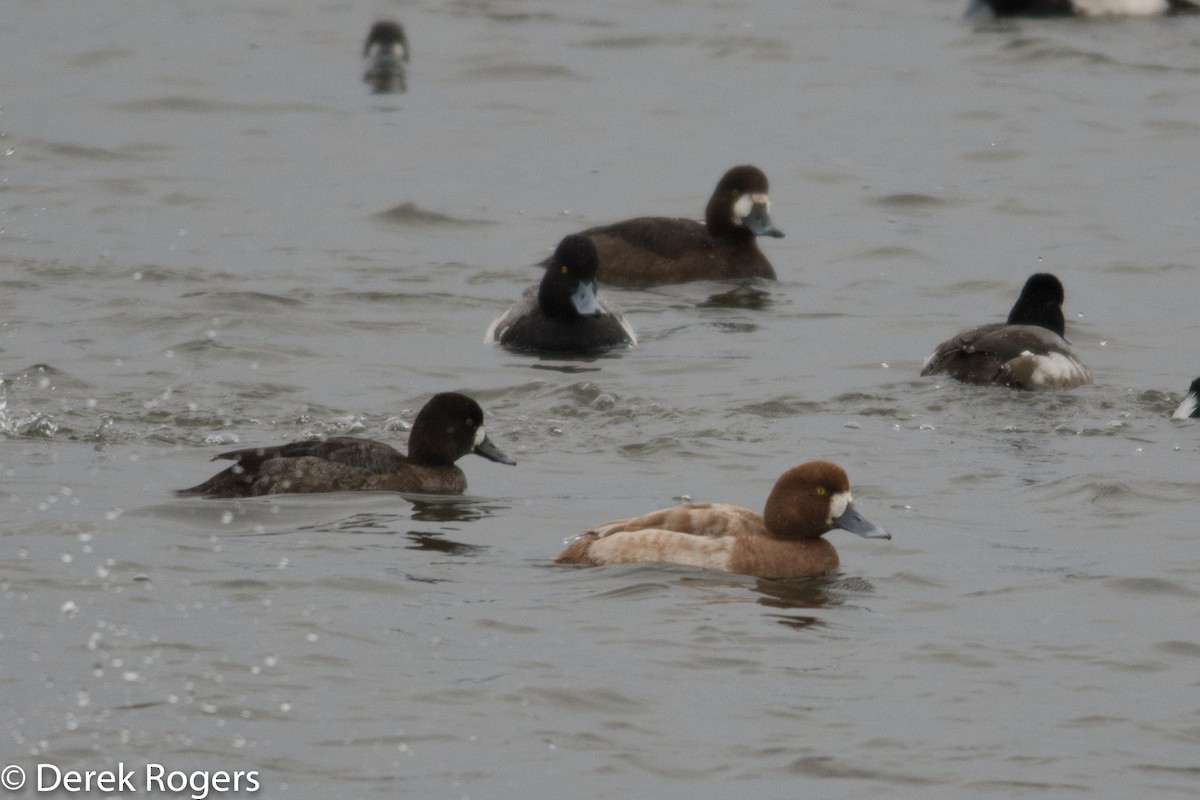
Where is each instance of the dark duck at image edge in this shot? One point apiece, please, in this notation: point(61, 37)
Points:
point(1189, 407)
point(447, 428)
point(1079, 8)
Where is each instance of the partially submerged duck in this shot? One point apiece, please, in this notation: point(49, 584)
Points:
point(387, 48)
point(785, 541)
point(1026, 352)
point(447, 428)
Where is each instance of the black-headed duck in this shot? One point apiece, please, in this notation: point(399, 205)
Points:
point(785, 541)
point(387, 48)
point(1080, 8)
point(1026, 352)
point(563, 314)
point(651, 251)
point(1190, 406)
point(447, 428)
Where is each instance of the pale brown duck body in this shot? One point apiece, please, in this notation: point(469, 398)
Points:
point(784, 542)
point(448, 427)
point(650, 251)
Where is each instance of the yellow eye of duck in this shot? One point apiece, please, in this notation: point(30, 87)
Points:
point(564, 269)
point(821, 491)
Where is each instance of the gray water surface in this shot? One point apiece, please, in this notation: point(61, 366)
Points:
point(213, 234)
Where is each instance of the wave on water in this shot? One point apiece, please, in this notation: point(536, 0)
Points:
point(412, 214)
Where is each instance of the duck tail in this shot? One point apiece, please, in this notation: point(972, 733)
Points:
point(577, 550)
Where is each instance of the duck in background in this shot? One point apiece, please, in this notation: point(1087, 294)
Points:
point(387, 49)
point(1190, 407)
point(652, 251)
point(785, 541)
point(1026, 352)
point(563, 314)
point(447, 428)
point(1080, 8)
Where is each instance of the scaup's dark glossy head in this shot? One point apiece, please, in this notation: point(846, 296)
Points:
point(1190, 406)
point(1040, 303)
point(1026, 352)
point(651, 251)
point(447, 428)
point(564, 314)
point(1080, 8)
point(740, 205)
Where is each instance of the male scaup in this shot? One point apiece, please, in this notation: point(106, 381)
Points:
point(650, 251)
point(563, 314)
point(387, 47)
point(784, 542)
point(1190, 407)
point(1080, 8)
point(448, 427)
point(1026, 352)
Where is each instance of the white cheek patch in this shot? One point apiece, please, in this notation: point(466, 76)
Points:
point(742, 208)
point(480, 435)
point(838, 504)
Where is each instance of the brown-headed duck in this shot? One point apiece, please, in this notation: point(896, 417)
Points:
point(387, 48)
point(1190, 407)
point(1080, 8)
point(563, 314)
point(448, 427)
point(650, 251)
point(784, 542)
point(1026, 352)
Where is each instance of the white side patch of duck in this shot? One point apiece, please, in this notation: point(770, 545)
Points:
point(1100, 8)
point(1058, 369)
point(1187, 407)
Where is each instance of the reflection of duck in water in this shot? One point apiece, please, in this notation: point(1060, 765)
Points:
point(387, 47)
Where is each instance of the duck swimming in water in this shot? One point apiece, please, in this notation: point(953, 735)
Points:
point(652, 251)
point(448, 427)
point(785, 541)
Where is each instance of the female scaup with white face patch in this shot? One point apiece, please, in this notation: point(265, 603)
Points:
point(1026, 352)
point(783, 542)
point(1190, 407)
point(448, 427)
point(651, 251)
point(563, 314)
point(1080, 8)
